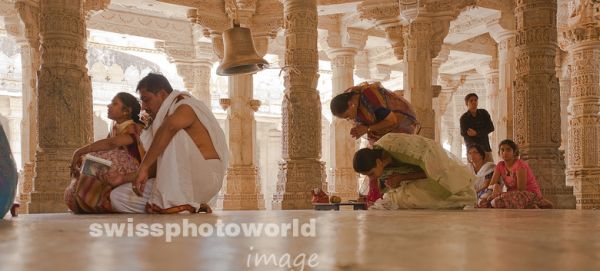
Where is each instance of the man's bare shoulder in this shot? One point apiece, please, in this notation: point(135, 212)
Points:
point(185, 110)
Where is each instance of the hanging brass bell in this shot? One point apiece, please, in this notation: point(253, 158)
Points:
point(240, 56)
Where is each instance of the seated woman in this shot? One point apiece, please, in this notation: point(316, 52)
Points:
point(523, 191)
point(483, 170)
point(418, 173)
point(91, 194)
point(375, 110)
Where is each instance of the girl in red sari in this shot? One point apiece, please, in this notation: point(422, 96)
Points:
point(91, 194)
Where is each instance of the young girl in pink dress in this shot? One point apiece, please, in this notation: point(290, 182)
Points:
point(523, 191)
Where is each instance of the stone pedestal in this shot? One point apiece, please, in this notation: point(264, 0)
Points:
point(537, 99)
point(301, 169)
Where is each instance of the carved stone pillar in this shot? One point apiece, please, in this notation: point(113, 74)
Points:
point(344, 179)
point(441, 98)
point(445, 101)
point(457, 140)
point(301, 168)
point(28, 40)
point(417, 72)
point(537, 98)
point(242, 191)
point(563, 70)
point(14, 126)
point(196, 78)
point(65, 116)
point(583, 170)
point(506, 75)
point(490, 72)
point(30, 60)
point(456, 143)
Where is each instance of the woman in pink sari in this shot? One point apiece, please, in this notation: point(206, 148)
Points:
point(523, 191)
point(91, 194)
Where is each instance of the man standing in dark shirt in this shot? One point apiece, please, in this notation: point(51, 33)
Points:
point(475, 125)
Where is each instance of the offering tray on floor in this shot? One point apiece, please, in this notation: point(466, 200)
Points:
point(336, 206)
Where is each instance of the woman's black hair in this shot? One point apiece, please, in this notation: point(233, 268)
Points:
point(339, 103)
point(366, 159)
point(478, 148)
point(511, 144)
point(132, 103)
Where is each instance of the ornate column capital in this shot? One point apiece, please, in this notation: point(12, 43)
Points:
point(395, 35)
point(349, 37)
point(210, 16)
point(381, 72)
point(451, 83)
point(439, 30)
point(442, 56)
point(254, 104)
point(583, 26)
point(225, 103)
point(92, 7)
point(177, 52)
point(29, 12)
point(347, 52)
point(267, 19)
point(381, 11)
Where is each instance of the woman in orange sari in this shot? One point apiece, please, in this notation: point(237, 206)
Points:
point(91, 194)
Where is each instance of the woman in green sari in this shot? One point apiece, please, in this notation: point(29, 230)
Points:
point(417, 172)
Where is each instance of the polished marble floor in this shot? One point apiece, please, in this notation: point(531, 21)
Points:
point(483, 240)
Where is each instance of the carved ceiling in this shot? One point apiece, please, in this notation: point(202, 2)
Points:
point(169, 20)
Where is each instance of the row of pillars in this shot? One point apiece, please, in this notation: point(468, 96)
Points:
point(64, 117)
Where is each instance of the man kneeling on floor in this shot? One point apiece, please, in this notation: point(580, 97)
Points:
point(185, 164)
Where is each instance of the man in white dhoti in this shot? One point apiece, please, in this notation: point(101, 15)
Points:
point(185, 164)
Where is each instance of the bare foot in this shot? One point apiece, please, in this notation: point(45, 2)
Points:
point(13, 210)
point(545, 204)
point(483, 203)
point(204, 208)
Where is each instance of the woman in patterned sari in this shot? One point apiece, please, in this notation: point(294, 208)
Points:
point(375, 110)
point(417, 173)
point(91, 194)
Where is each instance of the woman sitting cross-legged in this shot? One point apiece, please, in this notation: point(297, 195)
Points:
point(91, 194)
point(483, 170)
point(417, 172)
point(523, 191)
